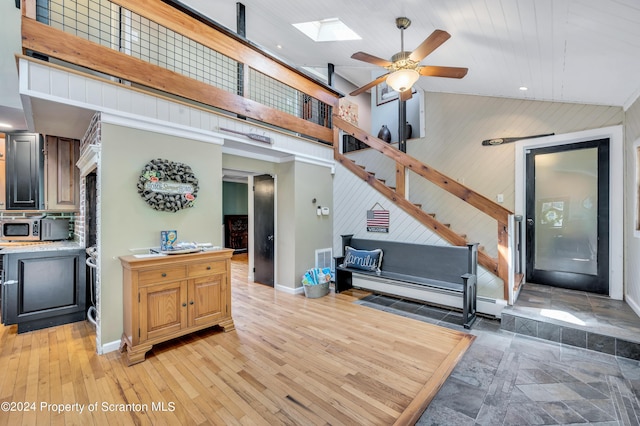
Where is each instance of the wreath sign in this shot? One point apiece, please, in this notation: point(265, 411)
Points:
point(168, 185)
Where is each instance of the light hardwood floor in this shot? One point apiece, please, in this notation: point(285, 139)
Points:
point(291, 360)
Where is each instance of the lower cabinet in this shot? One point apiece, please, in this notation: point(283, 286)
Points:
point(169, 296)
point(44, 288)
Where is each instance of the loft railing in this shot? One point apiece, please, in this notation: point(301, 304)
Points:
point(502, 266)
point(156, 45)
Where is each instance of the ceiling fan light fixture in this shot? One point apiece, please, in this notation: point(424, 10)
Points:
point(402, 79)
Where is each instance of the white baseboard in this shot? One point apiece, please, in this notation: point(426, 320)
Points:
point(286, 289)
point(633, 304)
point(109, 347)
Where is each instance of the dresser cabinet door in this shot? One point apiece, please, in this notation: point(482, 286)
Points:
point(206, 299)
point(163, 309)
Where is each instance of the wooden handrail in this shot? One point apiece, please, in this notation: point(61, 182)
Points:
point(461, 191)
point(416, 212)
point(52, 42)
point(170, 17)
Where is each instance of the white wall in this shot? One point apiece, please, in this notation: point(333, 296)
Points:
point(128, 222)
point(631, 209)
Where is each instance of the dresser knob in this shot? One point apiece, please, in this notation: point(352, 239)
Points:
point(184, 305)
point(208, 268)
point(191, 303)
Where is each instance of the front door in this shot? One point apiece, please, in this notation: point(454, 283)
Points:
point(567, 205)
point(263, 234)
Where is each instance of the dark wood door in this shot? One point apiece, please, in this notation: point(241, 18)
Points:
point(567, 199)
point(263, 234)
point(25, 165)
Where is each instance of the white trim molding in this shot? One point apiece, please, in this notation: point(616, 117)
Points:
point(158, 126)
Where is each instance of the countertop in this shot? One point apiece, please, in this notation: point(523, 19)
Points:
point(16, 247)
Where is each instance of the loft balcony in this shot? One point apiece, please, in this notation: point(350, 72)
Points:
point(158, 47)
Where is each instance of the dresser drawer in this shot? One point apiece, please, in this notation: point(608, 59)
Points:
point(205, 268)
point(151, 276)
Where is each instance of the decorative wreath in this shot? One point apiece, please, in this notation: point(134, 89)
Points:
point(168, 185)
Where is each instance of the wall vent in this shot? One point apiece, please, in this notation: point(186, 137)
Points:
point(324, 258)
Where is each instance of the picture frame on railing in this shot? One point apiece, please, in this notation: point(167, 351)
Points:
point(385, 94)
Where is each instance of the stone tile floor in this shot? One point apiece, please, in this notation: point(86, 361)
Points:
point(511, 379)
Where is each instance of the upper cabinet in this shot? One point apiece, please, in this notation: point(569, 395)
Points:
point(62, 177)
point(24, 171)
point(40, 174)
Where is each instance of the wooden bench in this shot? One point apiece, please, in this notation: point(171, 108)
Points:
point(413, 269)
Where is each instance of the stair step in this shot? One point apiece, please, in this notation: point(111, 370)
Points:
point(448, 225)
point(418, 205)
point(433, 215)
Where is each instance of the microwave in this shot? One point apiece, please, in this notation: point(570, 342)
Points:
point(34, 229)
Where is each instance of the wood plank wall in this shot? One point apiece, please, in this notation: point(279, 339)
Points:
point(455, 127)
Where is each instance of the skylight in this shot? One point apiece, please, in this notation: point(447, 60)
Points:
point(331, 29)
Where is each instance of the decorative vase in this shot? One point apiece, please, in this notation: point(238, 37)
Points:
point(384, 133)
point(408, 130)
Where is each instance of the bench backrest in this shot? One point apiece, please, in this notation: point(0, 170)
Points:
point(444, 263)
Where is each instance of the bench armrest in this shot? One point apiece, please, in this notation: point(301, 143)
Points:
point(469, 294)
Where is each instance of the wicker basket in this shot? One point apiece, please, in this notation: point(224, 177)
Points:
point(315, 291)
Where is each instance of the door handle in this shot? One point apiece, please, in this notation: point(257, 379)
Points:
point(270, 238)
point(530, 222)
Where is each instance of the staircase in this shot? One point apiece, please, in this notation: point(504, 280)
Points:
point(502, 266)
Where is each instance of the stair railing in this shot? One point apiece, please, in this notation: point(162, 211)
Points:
point(502, 266)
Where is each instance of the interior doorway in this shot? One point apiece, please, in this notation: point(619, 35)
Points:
point(567, 216)
point(264, 229)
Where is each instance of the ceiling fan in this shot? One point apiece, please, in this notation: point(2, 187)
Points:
point(404, 67)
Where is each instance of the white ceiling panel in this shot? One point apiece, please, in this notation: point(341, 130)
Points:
point(584, 51)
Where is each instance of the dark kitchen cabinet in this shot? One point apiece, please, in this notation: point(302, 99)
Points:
point(24, 171)
point(44, 288)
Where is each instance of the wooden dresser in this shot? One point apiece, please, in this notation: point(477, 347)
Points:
point(169, 296)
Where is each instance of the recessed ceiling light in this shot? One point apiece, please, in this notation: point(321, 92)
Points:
point(524, 88)
point(331, 29)
point(6, 125)
point(279, 46)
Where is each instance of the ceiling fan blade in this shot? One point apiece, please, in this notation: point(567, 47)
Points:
point(449, 72)
point(430, 44)
point(361, 56)
point(406, 95)
point(368, 86)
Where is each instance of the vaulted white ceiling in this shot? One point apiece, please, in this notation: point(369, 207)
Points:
point(582, 51)
point(579, 51)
